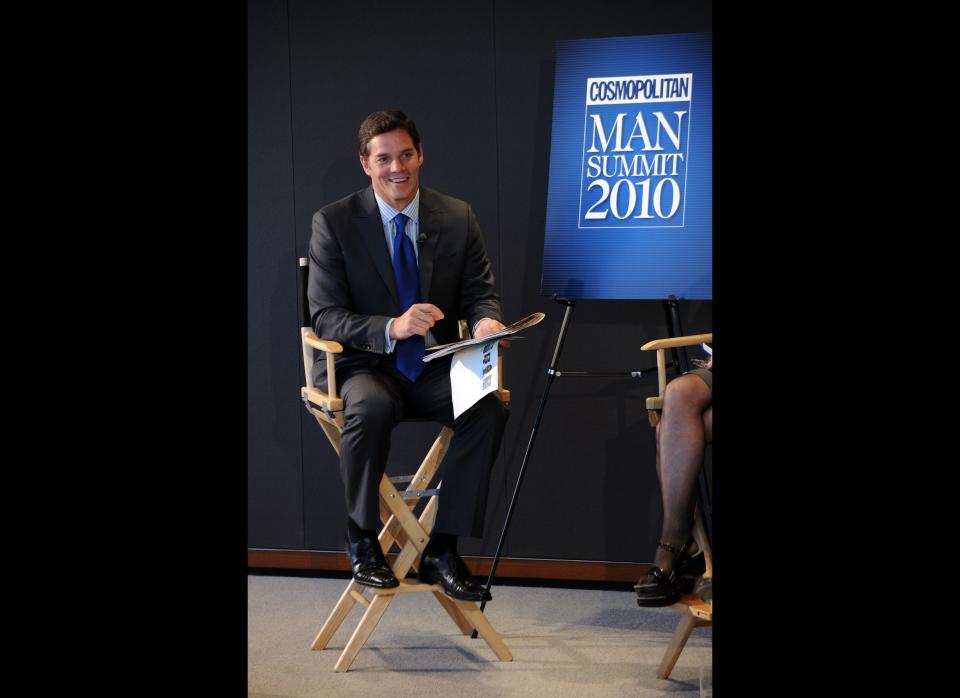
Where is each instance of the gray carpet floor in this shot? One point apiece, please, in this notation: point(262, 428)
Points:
point(565, 642)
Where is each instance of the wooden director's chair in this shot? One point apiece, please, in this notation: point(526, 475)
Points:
point(694, 612)
point(401, 526)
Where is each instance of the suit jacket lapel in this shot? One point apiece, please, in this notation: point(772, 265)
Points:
point(431, 225)
point(371, 232)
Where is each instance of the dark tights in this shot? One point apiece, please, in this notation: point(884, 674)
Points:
point(685, 427)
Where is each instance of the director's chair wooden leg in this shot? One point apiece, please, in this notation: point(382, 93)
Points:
point(391, 528)
point(411, 533)
point(456, 615)
point(694, 615)
point(680, 636)
point(337, 615)
point(354, 592)
point(472, 613)
point(700, 535)
point(333, 434)
point(383, 598)
point(371, 617)
point(694, 612)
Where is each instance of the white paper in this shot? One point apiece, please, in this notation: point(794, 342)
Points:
point(473, 374)
point(707, 349)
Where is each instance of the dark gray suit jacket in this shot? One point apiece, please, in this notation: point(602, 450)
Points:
point(352, 290)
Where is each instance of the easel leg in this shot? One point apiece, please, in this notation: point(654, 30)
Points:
point(551, 374)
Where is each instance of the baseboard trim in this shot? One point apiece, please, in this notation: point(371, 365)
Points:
point(522, 568)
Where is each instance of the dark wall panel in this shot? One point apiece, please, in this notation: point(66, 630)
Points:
point(275, 480)
point(478, 79)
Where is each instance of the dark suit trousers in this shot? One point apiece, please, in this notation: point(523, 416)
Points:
point(375, 400)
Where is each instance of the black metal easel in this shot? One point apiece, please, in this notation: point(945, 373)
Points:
point(551, 374)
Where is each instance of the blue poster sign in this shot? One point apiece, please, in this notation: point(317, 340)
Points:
point(629, 201)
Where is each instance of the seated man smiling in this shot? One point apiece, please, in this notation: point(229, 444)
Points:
point(392, 269)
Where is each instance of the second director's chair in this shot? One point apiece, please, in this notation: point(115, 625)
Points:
point(694, 612)
point(401, 526)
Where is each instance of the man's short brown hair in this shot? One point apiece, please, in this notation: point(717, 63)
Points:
point(384, 122)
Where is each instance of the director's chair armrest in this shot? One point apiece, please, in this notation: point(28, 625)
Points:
point(672, 342)
point(655, 404)
point(327, 345)
point(328, 401)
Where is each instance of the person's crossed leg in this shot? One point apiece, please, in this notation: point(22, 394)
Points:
point(685, 427)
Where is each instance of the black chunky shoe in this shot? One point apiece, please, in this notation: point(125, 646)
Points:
point(659, 588)
point(690, 568)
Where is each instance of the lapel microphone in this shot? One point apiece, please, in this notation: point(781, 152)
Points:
point(421, 237)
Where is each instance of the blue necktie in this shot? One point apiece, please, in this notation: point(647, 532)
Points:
point(409, 351)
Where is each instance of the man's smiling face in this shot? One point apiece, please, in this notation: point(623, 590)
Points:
point(393, 164)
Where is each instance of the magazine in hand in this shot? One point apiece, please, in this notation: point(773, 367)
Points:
point(522, 324)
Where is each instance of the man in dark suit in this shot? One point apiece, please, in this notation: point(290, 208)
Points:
point(392, 270)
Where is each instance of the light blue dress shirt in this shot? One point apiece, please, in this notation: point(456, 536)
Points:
point(387, 215)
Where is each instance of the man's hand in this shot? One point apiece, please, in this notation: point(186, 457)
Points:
point(489, 326)
point(710, 362)
point(418, 319)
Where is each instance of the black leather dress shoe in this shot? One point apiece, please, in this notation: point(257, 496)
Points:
point(450, 571)
point(369, 565)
